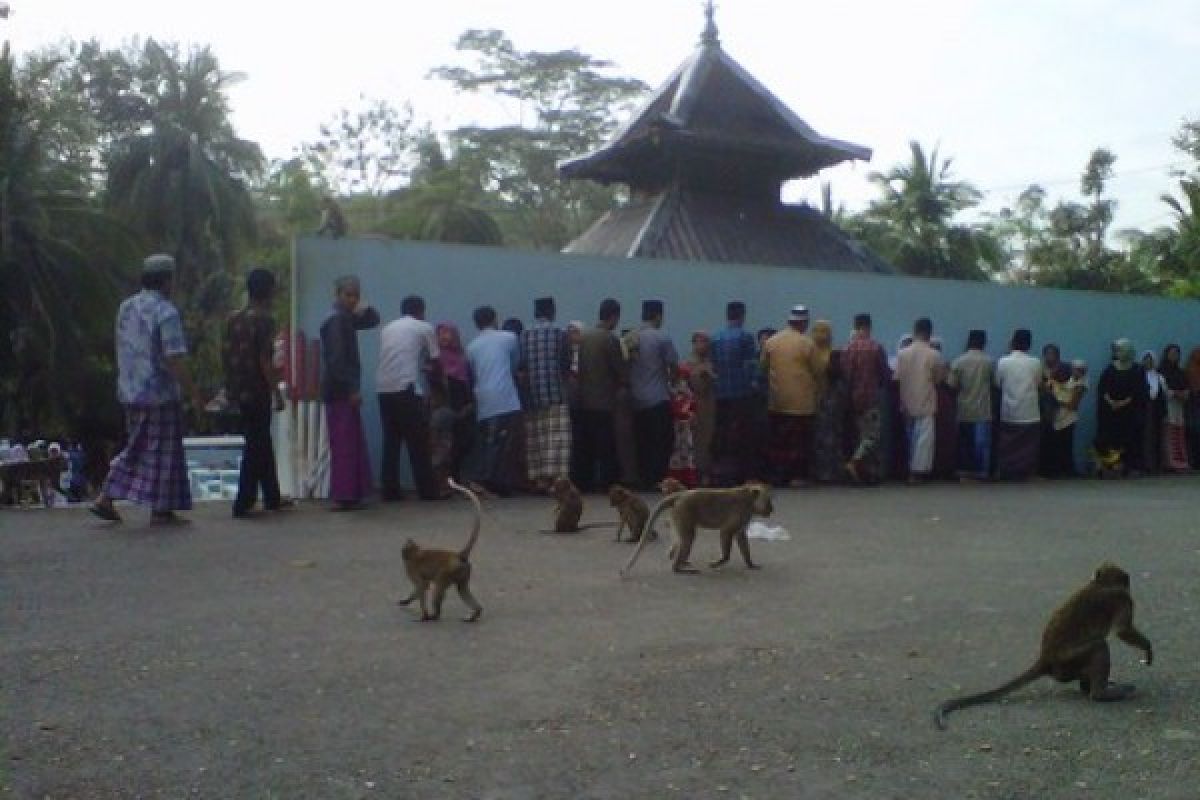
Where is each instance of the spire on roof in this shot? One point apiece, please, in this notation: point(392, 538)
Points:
point(709, 37)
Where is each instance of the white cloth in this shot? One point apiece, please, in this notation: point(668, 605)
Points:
point(1019, 375)
point(1064, 393)
point(920, 442)
point(405, 346)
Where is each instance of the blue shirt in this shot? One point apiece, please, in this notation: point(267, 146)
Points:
point(148, 331)
point(493, 356)
point(735, 359)
point(652, 358)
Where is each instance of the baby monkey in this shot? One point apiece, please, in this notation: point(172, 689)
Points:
point(631, 509)
point(1075, 644)
point(443, 568)
point(568, 508)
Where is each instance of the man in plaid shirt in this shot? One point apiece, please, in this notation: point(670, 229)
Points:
point(545, 363)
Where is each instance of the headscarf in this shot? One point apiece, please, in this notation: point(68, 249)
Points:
point(1171, 371)
point(1193, 369)
point(1122, 353)
point(1153, 379)
point(453, 359)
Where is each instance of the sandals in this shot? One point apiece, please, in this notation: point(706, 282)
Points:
point(105, 512)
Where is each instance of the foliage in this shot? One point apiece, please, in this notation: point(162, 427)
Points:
point(565, 103)
point(912, 225)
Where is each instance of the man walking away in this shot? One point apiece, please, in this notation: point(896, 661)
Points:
point(151, 368)
point(251, 382)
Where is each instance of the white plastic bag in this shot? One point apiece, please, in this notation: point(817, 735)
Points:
point(772, 533)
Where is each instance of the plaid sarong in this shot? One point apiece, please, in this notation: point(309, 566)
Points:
point(151, 470)
point(548, 442)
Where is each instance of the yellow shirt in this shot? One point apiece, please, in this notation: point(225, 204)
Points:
point(788, 359)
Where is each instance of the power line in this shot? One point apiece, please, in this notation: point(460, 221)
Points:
point(1065, 181)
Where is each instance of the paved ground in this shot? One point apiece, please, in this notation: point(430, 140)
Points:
point(267, 659)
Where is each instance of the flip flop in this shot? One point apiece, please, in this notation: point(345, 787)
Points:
point(106, 513)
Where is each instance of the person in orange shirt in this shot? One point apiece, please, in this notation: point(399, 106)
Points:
point(788, 362)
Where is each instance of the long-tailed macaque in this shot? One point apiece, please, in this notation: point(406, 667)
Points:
point(568, 508)
point(441, 568)
point(727, 510)
point(1075, 644)
point(631, 510)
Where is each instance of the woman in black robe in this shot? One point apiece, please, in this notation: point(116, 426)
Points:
point(1120, 407)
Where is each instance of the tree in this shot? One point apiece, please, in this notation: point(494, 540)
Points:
point(565, 103)
point(911, 223)
point(59, 253)
point(176, 170)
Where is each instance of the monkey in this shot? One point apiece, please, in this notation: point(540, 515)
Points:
point(727, 510)
point(631, 509)
point(1075, 644)
point(568, 508)
point(441, 568)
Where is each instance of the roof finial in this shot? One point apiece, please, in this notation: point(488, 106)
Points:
point(709, 37)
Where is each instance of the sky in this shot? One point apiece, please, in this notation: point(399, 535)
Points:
point(1014, 91)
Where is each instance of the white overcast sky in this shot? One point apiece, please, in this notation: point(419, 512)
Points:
point(1015, 91)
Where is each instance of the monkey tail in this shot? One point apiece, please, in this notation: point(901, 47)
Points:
point(465, 553)
point(966, 701)
point(667, 502)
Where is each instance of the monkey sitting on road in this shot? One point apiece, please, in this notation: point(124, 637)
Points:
point(1075, 644)
point(727, 510)
point(441, 568)
point(632, 511)
point(568, 508)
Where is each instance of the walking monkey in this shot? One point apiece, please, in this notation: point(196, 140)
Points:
point(1075, 644)
point(441, 568)
point(727, 510)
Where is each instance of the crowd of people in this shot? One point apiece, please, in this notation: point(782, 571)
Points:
point(519, 407)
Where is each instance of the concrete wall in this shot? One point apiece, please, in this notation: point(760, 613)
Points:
point(454, 279)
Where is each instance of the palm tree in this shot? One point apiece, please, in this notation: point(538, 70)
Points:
point(1180, 260)
point(911, 223)
point(58, 253)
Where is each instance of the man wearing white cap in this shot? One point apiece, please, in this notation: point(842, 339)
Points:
point(151, 367)
point(787, 360)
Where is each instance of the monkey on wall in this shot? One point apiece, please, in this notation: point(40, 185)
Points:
point(1075, 644)
point(441, 569)
point(729, 511)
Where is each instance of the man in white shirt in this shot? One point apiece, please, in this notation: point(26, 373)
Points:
point(408, 363)
point(494, 356)
point(1018, 376)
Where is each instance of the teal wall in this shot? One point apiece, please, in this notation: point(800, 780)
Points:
point(454, 279)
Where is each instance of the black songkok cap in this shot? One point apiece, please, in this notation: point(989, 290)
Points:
point(735, 310)
point(543, 307)
point(651, 308)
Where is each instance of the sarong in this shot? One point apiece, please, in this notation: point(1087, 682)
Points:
point(349, 469)
point(868, 428)
point(1017, 448)
point(921, 439)
point(548, 442)
point(789, 446)
point(1175, 451)
point(151, 470)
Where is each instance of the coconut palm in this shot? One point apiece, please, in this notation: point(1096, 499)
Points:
point(911, 223)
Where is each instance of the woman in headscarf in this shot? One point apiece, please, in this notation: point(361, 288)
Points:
point(1192, 417)
point(828, 458)
point(702, 380)
point(1120, 406)
point(459, 398)
point(1153, 414)
point(1175, 451)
